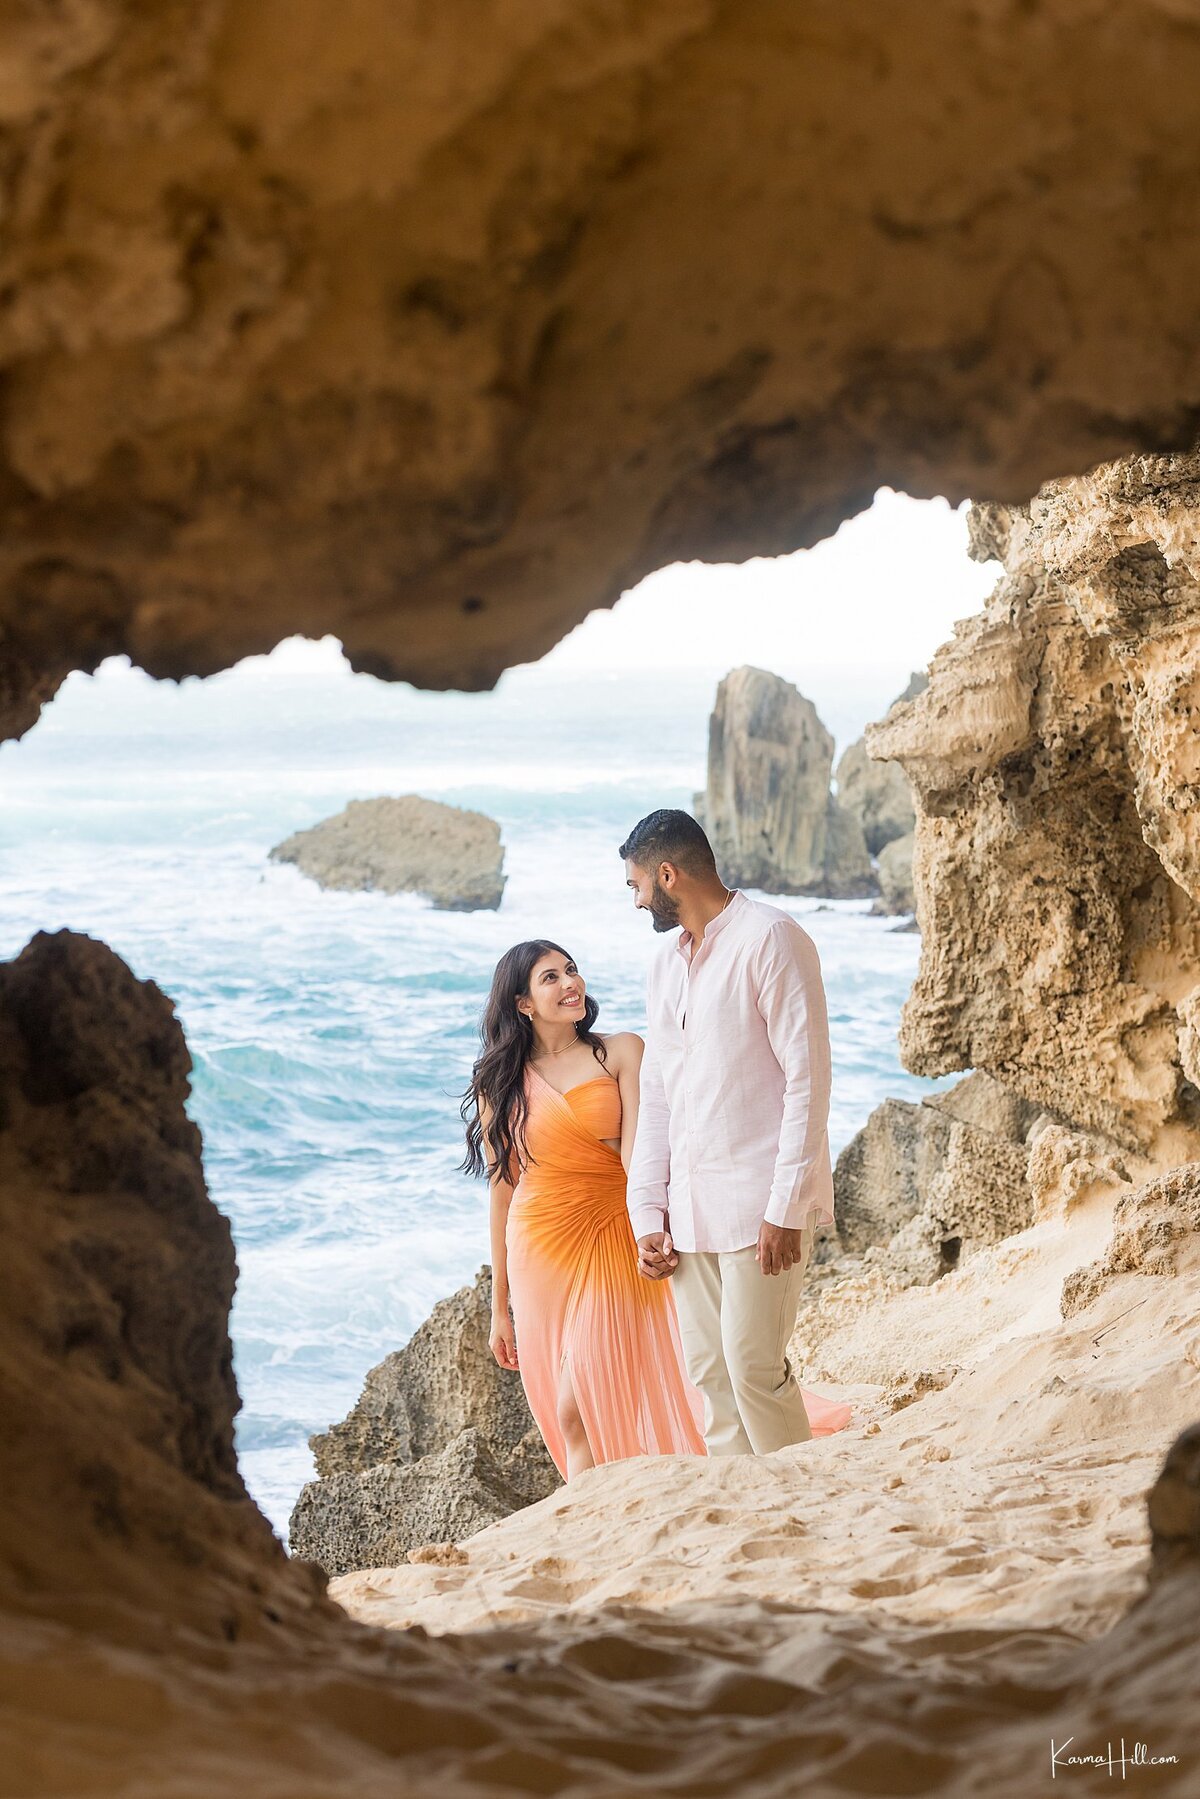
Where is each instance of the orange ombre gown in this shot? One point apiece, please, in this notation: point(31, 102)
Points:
point(576, 1292)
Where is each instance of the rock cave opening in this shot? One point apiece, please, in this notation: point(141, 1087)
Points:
point(609, 289)
point(329, 1025)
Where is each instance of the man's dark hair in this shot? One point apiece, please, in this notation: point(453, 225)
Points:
point(669, 835)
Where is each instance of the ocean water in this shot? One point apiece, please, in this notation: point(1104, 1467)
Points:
point(332, 1033)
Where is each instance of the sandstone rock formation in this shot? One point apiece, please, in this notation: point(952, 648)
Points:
point(923, 1184)
point(284, 356)
point(770, 816)
point(1153, 1226)
point(877, 794)
point(407, 845)
point(439, 1444)
point(1057, 860)
point(373, 1519)
point(894, 873)
point(992, 1505)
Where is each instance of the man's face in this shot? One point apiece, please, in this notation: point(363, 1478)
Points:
point(652, 896)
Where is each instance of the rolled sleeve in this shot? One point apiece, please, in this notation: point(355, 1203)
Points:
point(791, 999)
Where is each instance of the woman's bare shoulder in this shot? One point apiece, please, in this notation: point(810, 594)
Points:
point(624, 1047)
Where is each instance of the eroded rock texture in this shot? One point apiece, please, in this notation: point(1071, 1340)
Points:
point(877, 794)
point(404, 845)
point(1056, 762)
point(436, 327)
point(923, 1184)
point(1155, 1228)
point(767, 806)
point(120, 1493)
point(440, 1444)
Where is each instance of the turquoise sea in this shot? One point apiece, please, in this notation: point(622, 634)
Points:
point(332, 1033)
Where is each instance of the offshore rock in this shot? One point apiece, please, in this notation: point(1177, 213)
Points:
point(770, 816)
point(894, 874)
point(877, 793)
point(408, 845)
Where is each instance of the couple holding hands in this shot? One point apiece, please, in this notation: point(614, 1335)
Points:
point(653, 1207)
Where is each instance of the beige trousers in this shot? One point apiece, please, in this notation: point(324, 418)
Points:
point(735, 1323)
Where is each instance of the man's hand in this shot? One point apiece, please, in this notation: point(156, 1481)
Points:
point(657, 1256)
point(778, 1248)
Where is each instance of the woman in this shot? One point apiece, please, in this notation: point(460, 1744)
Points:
point(550, 1115)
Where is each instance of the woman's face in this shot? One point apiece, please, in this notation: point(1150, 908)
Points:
point(556, 991)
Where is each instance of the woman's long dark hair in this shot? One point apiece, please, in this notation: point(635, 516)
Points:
point(498, 1076)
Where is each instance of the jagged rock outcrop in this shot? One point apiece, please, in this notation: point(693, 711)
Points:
point(1057, 858)
point(923, 1183)
point(120, 1497)
point(877, 794)
point(282, 355)
point(767, 806)
point(894, 873)
point(406, 845)
point(1154, 1226)
point(323, 363)
point(375, 1518)
point(439, 1444)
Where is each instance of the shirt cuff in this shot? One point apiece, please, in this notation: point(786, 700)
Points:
point(647, 1219)
point(798, 1213)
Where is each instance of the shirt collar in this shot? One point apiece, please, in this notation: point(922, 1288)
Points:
point(683, 943)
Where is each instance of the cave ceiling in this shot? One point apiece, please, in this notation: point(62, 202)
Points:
point(435, 328)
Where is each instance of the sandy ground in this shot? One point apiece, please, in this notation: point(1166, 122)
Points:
point(1016, 1493)
point(920, 1602)
point(936, 1600)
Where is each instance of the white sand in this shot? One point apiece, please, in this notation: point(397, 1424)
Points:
point(920, 1600)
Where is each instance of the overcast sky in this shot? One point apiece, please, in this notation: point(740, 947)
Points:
point(847, 622)
point(879, 597)
point(863, 608)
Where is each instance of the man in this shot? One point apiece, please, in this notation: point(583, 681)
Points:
point(732, 1136)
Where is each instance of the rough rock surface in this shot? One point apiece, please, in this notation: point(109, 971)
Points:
point(1152, 1225)
point(419, 1398)
point(439, 1444)
point(373, 1519)
point(406, 845)
point(120, 1498)
point(767, 806)
point(284, 356)
point(1055, 760)
point(877, 794)
point(894, 873)
point(923, 1184)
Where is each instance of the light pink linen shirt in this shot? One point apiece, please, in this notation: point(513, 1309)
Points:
point(733, 1125)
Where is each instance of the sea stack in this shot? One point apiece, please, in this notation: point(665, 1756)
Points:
point(876, 792)
point(767, 807)
point(879, 796)
point(405, 845)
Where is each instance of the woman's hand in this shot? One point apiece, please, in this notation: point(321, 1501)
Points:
point(503, 1340)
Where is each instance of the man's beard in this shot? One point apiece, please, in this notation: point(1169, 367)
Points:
point(663, 910)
